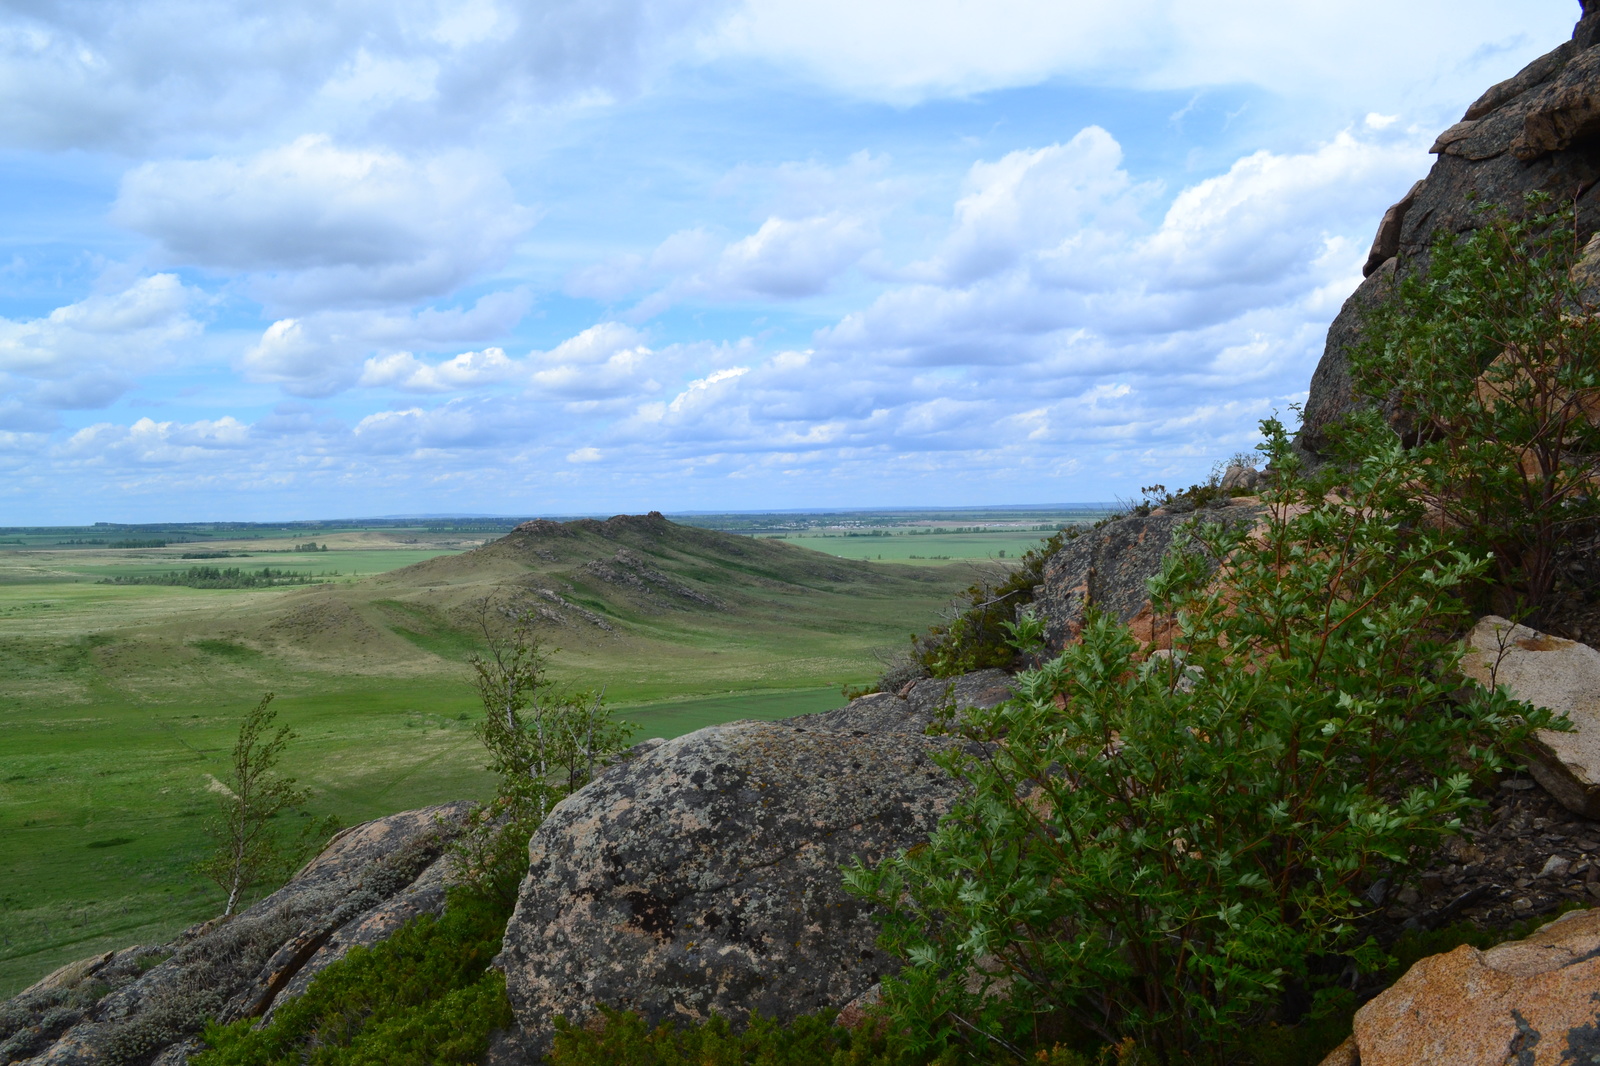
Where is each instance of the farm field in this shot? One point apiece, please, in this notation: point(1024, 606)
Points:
point(118, 700)
point(918, 547)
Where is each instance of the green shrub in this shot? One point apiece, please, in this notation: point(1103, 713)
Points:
point(976, 637)
point(1489, 366)
point(543, 744)
point(1154, 845)
point(423, 996)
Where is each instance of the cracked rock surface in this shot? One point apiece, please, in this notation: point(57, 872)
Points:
point(704, 875)
point(146, 1004)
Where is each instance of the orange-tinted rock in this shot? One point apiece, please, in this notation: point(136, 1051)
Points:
point(1533, 1002)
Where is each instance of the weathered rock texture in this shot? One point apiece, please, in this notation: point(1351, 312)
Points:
point(1107, 568)
point(915, 707)
point(1538, 131)
point(704, 876)
point(1530, 1002)
point(1562, 675)
point(147, 1003)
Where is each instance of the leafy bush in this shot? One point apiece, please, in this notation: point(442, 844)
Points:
point(1489, 365)
point(1157, 841)
point(423, 996)
point(623, 1039)
point(976, 637)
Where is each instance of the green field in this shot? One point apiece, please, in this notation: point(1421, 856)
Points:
point(116, 702)
point(897, 547)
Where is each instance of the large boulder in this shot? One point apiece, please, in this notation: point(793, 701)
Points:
point(146, 1004)
point(1530, 1002)
point(704, 876)
point(1562, 675)
point(1537, 131)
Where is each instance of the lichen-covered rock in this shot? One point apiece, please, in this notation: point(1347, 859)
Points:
point(1536, 132)
point(704, 876)
point(1531, 1002)
point(143, 1005)
point(1107, 567)
point(914, 708)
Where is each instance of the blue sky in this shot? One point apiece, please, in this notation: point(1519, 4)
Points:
point(358, 257)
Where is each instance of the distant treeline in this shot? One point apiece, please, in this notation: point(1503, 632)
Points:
point(145, 543)
point(211, 577)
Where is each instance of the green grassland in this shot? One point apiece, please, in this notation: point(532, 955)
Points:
point(117, 702)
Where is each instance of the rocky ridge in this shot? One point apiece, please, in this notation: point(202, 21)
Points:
point(1538, 131)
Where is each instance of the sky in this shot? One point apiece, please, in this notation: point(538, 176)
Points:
point(291, 260)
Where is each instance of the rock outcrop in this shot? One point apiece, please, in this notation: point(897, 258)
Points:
point(1538, 131)
point(1562, 675)
point(915, 707)
point(147, 1003)
point(704, 876)
point(1107, 567)
point(1530, 1002)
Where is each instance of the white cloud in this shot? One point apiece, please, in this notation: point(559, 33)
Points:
point(1034, 199)
point(603, 361)
point(584, 455)
point(319, 224)
point(125, 74)
point(784, 259)
point(82, 355)
point(911, 50)
point(147, 441)
point(295, 357)
point(402, 370)
point(453, 425)
point(328, 351)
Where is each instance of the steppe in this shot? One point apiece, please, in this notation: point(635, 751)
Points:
point(118, 702)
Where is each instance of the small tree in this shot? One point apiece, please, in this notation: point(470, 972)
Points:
point(249, 847)
point(543, 744)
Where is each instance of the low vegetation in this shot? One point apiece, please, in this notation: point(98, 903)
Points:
point(423, 996)
point(1163, 850)
point(1157, 846)
point(1488, 365)
point(250, 845)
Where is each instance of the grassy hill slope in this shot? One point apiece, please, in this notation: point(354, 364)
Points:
point(118, 701)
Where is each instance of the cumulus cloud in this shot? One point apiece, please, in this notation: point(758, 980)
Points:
point(82, 355)
point(328, 351)
point(402, 370)
point(1065, 319)
point(1033, 199)
point(784, 259)
point(456, 424)
point(319, 224)
point(1049, 264)
point(603, 361)
point(147, 441)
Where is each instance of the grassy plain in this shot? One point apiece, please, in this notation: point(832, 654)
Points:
point(118, 704)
